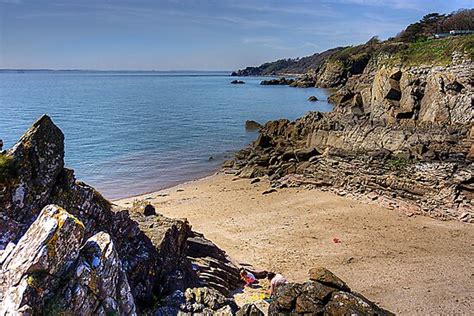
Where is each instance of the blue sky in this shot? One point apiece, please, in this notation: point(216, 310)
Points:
point(193, 34)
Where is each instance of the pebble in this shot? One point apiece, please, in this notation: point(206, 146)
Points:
point(268, 191)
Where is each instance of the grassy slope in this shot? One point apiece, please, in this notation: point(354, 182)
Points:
point(434, 51)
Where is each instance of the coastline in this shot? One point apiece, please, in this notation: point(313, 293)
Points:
point(402, 261)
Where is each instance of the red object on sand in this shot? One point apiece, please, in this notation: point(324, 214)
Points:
point(336, 240)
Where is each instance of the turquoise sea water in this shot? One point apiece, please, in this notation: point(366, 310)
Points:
point(131, 133)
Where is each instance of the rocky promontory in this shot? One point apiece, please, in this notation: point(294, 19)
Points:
point(65, 249)
point(399, 135)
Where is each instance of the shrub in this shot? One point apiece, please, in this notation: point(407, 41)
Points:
point(7, 168)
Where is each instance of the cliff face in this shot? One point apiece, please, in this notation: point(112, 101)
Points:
point(398, 134)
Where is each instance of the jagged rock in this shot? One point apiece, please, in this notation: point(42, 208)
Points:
point(149, 210)
point(281, 81)
point(263, 141)
point(33, 270)
point(252, 125)
point(152, 249)
point(316, 298)
point(39, 159)
point(98, 284)
point(344, 303)
point(305, 153)
point(215, 269)
point(205, 299)
point(250, 310)
point(228, 164)
point(324, 276)
point(312, 98)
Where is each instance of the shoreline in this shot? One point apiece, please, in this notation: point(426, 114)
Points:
point(402, 261)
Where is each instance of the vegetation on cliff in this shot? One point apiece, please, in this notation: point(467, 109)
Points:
point(7, 168)
point(414, 45)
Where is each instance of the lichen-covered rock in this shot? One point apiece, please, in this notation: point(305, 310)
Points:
point(324, 276)
point(97, 283)
point(197, 301)
point(318, 298)
point(38, 159)
point(152, 249)
point(344, 303)
point(33, 269)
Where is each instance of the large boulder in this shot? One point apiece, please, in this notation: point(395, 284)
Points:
point(38, 159)
point(49, 271)
point(32, 270)
point(97, 285)
point(327, 295)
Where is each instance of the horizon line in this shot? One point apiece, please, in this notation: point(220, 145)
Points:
point(110, 70)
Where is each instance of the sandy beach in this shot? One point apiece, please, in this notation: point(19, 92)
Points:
point(408, 264)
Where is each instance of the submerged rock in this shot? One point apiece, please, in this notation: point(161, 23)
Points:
point(281, 81)
point(237, 82)
point(312, 98)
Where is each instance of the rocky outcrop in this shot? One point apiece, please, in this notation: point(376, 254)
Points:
point(51, 270)
point(152, 248)
point(252, 125)
point(400, 135)
point(314, 298)
point(98, 283)
point(31, 270)
point(273, 82)
point(323, 294)
point(215, 268)
point(237, 82)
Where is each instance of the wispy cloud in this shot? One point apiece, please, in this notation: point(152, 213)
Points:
point(321, 10)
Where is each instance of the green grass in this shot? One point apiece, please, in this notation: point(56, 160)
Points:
point(433, 51)
point(7, 168)
point(398, 162)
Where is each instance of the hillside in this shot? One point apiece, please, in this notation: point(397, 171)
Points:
point(415, 44)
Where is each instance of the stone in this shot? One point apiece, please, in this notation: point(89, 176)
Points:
point(268, 191)
point(255, 180)
point(39, 159)
point(326, 277)
point(237, 82)
point(252, 125)
point(344, 303)
point(228, 164)
point(305, 154)
point(312, 98)
point(149, 210)
point(281, 81)
point(312, 298)
point(285, 298)
point(263, 141)
point(98, 283)
point(42, 257)
point(250, 310)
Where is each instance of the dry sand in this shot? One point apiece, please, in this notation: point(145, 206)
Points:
point(409, 265)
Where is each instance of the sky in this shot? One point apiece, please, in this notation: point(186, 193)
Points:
point(193, 34)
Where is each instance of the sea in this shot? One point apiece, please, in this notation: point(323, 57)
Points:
point(129, 133)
